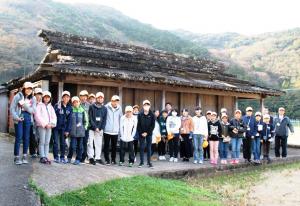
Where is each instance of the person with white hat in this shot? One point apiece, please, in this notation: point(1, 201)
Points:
point(173, 124)
point(91, 98)
point(237, 129)
point(46, 119)
point(83, 96)
point(282, 125)
point(112, 129)
point(145, 127)
point(206, 150)
point(225, 139)
point(257, 137)
point(97, 121)
point(214, 133)
point(79, 124)
point(128, 126)
point(22, 108)
point(34, 135)
point(63, 110)
point(267, 136)
point(249, 120)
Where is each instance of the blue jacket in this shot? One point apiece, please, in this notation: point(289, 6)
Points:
point(64, 116)
point(268, 131)
point(281, 127)
point(258, 129)
point(249, 121)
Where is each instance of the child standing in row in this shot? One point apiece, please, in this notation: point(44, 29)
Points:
point(257, 138)
point(163, 131)
point(173, 126)
point(79, 122)
point(267, 137)
point(45, 118)
point(214, 132)
point(186, 132)
point(225, 139)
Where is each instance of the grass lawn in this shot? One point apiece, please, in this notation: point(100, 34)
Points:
point(229, 189)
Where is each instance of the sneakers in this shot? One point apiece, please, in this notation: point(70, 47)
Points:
point(34, 156)
point(107, 163)
point(121, 163)
point(17, 160)
point(195, 161)
point(77, 162)
point(56, 160)
point(43, 160)
point(24, 159)
point(63, 160)
point(171, 159)
point(135, 159)
point(130, 164)
point(175, 160)
point(159, 157)
point(69, 160)
point(201, 162)
point(99, 161)
point(141, 165)
point(113, 162)
point(150, 165)
point(92, 161)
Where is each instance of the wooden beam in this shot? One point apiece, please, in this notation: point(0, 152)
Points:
point(120, 94)
point(236, 103)
point(262, 104)
point(75, 79)
point(60, 90)
point(163, 99)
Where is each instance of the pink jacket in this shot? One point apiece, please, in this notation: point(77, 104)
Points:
point(44, 115)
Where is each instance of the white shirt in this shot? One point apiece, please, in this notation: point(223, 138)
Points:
point(200, 125)
point(128, 128)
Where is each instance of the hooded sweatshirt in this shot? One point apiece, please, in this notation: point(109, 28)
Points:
point(97, 116)
point(200, 125)
point(64, 115)
point(173, 124)
point(113, 117)
point(45, 115)
point(214, 130)
point(187, 125)
point(128, 128)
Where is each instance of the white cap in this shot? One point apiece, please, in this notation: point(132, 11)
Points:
point(223, 110)
point(281, 108)
point(75, 98)
point(128, 109)
point(47, 93)
point(238, 111)
point(65, 93)
point(28, 85)
point(224, 115)
point(84, 93)
point(208, 112)
point(266, 116)
point(38, 90)
point(257, 113)
point(214, 113)
point(249, 109)
point(99, 94)
point(146, 102)
point(92, 95)
point(115, 98)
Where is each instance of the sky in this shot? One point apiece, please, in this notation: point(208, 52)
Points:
point(247, 17)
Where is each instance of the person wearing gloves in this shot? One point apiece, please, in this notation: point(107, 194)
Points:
point(267, 137)
point(112, 129)
point(79, 125)
point(186, 132)
point(237, 129)
point(249, 120)
point(173, 130)
point(146, 124)
point(45, 119)
point(22, 108)
point(200, 133)
point(128, 126)
point(257, 137)
point(214, 132)
point(97, 120)
point(63, 110)
point(163, 132)
point(83, 96)
point(225, 138)
point(34, 135)
point(156, 136)
point(282, 125)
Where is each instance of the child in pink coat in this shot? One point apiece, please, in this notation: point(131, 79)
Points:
point(46, 119)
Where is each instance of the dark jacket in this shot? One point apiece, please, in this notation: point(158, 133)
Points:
point(282, 127)
point(268, 131)
point(239, 125)
point(79, 122)
point(64, 115)
point(163, 126)
point(97, 116)
point(225, 129)
point(249, 121)
point(258, 129)
point(146, 123)
point(214, 130)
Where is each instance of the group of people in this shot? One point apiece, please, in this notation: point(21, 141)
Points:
point(86, 122)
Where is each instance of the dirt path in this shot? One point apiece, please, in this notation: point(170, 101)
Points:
point(277, 188)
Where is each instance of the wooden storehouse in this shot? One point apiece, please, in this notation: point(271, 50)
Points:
point(136, 73)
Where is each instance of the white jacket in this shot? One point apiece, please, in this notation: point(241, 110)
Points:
point(156, 132)
point(200, 125)
point(128, 128)
point(173, 124)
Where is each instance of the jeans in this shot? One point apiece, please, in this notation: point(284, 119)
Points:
point(84, 145)
point(45, 136)
point(75, 145)
point(145, 142)
point(281, 141)
point(236, 147)
point(59, 136)
point(22, 133)
point(198, 149)
point(113, 139)
point(223, 149)
point(256, 148)
point(173, 146)
point(130, 150)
